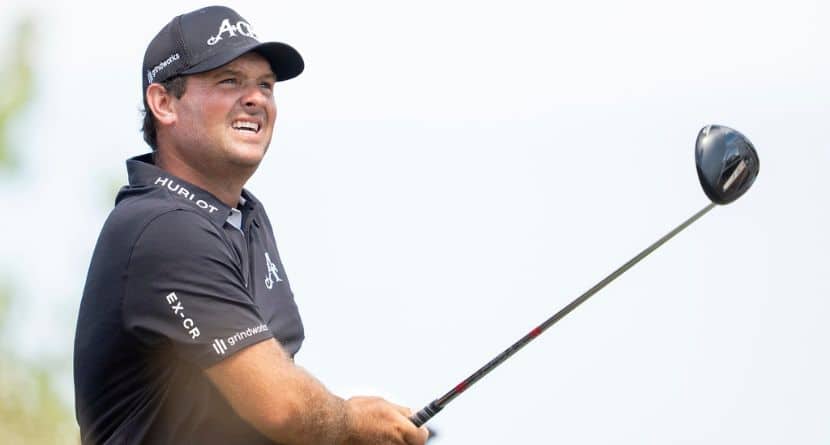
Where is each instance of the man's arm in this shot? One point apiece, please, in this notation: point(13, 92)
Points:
point(289, 406)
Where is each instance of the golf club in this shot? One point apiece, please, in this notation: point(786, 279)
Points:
point(727, 165)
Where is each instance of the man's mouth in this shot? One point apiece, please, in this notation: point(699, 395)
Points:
point(247, 126)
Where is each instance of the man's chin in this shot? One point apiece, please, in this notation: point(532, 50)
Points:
point(246, 162)
point(247, 155)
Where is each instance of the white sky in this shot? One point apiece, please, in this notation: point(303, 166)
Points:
point(447, 174)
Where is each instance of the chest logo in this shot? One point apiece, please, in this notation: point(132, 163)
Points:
point(272, 271)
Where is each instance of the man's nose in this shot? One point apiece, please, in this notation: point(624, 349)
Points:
point(254, 97)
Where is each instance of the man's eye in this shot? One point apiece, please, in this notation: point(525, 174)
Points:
point(267, 85)
point(230, 81)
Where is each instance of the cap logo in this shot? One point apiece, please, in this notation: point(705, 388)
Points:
point(151, 74)
point(241, 27)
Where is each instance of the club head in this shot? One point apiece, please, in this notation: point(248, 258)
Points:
point(727, 163)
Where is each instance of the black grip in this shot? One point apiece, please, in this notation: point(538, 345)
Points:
point(423, 416)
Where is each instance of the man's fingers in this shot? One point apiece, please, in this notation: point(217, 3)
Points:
point(383, 419)
point(412, 434)
point(402, 409)
point(415, 436)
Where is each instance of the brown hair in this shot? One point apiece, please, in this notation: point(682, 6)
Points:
point(175, 86)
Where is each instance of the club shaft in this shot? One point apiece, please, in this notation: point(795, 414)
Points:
point(437, 405)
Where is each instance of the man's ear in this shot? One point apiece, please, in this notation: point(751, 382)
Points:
point(161, 104)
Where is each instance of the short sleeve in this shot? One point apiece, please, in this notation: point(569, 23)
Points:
point(185, 289)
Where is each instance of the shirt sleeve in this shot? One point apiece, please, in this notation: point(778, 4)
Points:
point(185, 290)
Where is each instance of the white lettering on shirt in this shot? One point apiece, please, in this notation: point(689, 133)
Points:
point(177, 189)
point(178, 309)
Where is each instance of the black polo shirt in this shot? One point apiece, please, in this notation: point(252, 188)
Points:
point(172, 289)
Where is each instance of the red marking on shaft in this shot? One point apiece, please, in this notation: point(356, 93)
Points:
point(460, 387)
point(536, 331)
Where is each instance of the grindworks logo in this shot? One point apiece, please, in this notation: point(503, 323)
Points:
point(151, 74)
point(221, 347)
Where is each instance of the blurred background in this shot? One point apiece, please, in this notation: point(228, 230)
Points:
point(447, 174)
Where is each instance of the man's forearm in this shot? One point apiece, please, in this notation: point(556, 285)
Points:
point(313, 415)
point(280, 399)
point(289, 406)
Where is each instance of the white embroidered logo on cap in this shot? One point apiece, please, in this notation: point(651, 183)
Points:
point(272, 270)
point(151, 74)
point(241, 27)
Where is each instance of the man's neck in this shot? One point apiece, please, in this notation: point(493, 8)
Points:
point(226, 186)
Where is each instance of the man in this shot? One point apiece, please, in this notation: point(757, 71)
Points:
point(188, 326)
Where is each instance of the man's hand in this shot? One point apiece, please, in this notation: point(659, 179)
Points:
point(372, 420)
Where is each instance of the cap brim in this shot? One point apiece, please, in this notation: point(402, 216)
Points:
point(286, 61)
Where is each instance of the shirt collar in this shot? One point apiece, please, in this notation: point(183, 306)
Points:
point(143, 173)
point(235, 218)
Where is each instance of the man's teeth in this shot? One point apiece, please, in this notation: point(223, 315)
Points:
point(243, 125)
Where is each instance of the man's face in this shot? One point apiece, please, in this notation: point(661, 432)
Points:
point(226, 117)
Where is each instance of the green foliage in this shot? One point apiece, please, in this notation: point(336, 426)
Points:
point(17, 83)
point(31, 412)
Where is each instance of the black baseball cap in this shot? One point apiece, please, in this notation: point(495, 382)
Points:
point(208, 38)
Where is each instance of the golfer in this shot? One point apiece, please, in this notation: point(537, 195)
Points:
point(188, 327)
